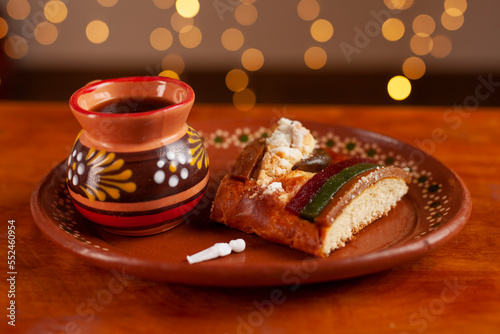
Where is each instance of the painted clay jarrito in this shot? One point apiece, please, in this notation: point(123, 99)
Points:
point(137, 173)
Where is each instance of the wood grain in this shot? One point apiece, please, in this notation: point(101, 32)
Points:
point(455, 289)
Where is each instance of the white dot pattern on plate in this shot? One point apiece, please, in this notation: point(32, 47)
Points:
point(65, 215)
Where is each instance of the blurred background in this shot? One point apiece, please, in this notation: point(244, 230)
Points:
point(245, 52)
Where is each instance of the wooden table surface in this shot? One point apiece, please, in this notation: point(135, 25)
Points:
point(55, 292)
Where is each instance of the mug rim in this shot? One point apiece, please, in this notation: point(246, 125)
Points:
point(73, 101)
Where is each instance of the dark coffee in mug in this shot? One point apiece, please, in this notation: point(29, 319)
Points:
point(128, 105)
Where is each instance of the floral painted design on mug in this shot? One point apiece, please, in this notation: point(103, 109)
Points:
point(99, 174)
point(198, 153)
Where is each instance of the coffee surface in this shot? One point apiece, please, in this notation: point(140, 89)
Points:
point(130, 105)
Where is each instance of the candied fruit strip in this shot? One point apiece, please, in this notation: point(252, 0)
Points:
point(331, 186)
point(308, 190)
point(354, 187)
point(319, 160)
point(248, 160)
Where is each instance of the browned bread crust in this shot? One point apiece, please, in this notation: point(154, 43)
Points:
point(243, 205)
point(247, 206)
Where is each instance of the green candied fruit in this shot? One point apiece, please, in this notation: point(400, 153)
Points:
point(325, 194)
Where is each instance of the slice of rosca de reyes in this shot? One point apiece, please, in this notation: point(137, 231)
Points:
point(287, 190)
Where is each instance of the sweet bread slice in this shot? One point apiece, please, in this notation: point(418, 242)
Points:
point(287, 190)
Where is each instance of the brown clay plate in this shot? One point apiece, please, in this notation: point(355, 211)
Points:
point(437, 206)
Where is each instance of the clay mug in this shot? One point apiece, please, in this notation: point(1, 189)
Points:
point(140, 172)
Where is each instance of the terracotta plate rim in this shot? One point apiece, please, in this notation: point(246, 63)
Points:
point(216, 273)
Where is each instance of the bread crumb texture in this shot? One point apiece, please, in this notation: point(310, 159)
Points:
point(289, 143)
point(273, 187)
point(373, 203)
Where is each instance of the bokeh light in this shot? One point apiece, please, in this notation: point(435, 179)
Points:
point(232, 39)
point(97, 31)
point(321, 30)
point(453, 12)
point(424, 24)
point(174, 63)
point(236, 80)
point(161, 39)
point(442, 46)
point(414, 68)
point(169, 74)
point(451, 23)
point(187, 8)
point(399, 87)
point(179, 22)
point(18, 9)
point(107, 3)
point(455, 7)
point(163, 4)
point(308, 10)
point(252, 59)
point(393, 29)
point(55, 11)
point(421, 44)
point(244, 100)
point(246, 14)
point(4, 28)
point(15, 47)
point(46, 33)
point(190, 37)
point(398, 4)
point(315, 57)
